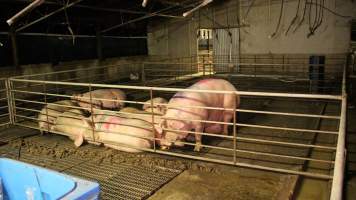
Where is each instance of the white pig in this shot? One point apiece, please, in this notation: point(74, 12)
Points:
point(49, 113)
point(158, 109)
point(72, 122)
point(140, 114)
point(128, 133)
point(177, 109)
point(101, 99)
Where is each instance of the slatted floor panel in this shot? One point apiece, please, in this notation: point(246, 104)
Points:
point(118, 180)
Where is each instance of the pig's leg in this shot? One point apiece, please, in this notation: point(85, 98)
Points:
point(227, 118)
point(199, 128)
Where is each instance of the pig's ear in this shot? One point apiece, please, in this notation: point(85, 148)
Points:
point(159, 129)
point(79, 140)
point(178, 124)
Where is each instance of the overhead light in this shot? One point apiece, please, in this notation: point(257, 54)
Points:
point(144, 3)
point(204, 3)
point(24, 11)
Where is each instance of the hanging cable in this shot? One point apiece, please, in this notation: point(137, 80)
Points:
point(198, 34)
point(230, 34)
point(333, 12)
point(309, 14)
point(279, 20)
point(248, 10)
point(316, 18)
point(68, 24)
point(320, 18)
point(303, 17)
point(294, 19)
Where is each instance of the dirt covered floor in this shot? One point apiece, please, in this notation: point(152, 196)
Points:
point(187, 177)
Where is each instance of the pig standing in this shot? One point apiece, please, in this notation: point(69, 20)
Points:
point(72, 122)
point(112, 95)
point(49, 114)
point(158, 109)
point(129, 132)
point(184, 115)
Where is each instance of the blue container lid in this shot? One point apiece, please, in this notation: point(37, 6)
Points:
point(25, 181)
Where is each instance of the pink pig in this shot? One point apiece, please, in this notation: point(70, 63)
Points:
point(177, 109)
point(122, 133)
point(110, 94)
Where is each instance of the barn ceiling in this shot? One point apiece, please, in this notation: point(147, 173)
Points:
point(84, 17)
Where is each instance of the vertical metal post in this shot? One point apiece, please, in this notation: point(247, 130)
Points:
point(9, 101)
point(99, 46)
point(57, 89)
point(234, 127)
point(13, 102)
point(143, 75)
point(338, 177)
point(14, 48)
point(203, 65)
point(283, 69)
point(92, 113)
point(153, 120)
point(46, 105)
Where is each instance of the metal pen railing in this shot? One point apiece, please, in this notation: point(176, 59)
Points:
point(22, 110)
point(235, 138)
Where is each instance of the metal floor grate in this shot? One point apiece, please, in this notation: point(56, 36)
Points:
point(118, 180)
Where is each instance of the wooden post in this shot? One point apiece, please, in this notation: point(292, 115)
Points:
point(14, 48)
point(99, 46)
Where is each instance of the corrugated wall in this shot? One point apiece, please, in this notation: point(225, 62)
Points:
point(180, 35)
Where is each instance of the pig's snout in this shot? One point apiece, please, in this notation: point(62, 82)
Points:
point(179, 143)
point(165, 147)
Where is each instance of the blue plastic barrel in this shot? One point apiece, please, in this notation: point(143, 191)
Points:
point(21, 181)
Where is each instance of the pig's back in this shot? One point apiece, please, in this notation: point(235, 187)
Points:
point(213, 99)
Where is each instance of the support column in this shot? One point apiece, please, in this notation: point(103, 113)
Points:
point(99, 44)
point(14, 48)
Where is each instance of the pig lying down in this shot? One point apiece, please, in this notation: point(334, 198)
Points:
point(101, 99)
point(158, 109)
point(72, 123)
point(49, 113)
point(131, 134)
point(177, 109)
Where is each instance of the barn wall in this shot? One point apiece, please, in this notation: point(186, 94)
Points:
point(177, 38)
point(72, 65)
point(35, 49)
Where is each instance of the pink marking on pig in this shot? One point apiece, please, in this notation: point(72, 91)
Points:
point(112, 122)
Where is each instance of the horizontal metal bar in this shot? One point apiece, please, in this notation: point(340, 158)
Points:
point(240, 164)
point(265, 94)
point(289, 114)
point(262, 153)
point(203, 107)
point(70, 70)
point(207, 146)
point(2, 107)
point(4, 124)
point(43, 103)
point(288, 129)
point(256, 140)
point(3, 115)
